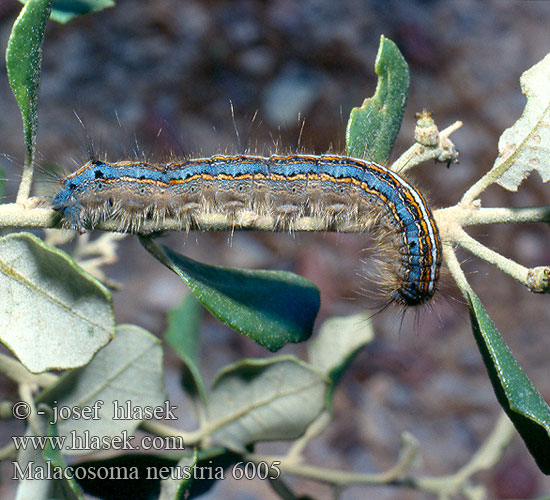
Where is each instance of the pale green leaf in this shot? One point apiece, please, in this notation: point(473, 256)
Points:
point(525, 146)
point(129, 368)
point(30, 484)
point(265, 400)
point(337, 343)
point(52, 313)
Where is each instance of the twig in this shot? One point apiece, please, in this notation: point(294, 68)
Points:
point(26, 179)
point(442, 150)
point(25, 393)
point(489, 453)
point(15, 216)
point(496, 171)
point(317, 426)
point(8, 451)
point(159, 429)
point(456, 271)
point(506, 265)
point(536, 279)
point(16, 371)
point(471, 214)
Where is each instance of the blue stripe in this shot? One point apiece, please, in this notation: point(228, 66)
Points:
point(420, 245)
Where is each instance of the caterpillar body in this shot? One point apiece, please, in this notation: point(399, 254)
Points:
point(333, 189)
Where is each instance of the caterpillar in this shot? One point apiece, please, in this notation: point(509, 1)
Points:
point(333, 189)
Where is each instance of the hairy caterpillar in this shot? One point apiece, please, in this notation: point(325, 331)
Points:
point(334, 189)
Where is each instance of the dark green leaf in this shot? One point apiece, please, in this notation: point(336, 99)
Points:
point(515, 392)
point(23, 63)
point(271, 307)
point(183, 336)
point(142, 482)
point(174, 488)
point(149, 469)
point(65, 10)
point(69, 486)
point(373, 128)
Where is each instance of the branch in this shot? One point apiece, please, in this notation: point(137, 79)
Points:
point(160, 429)
point(314, 429)
point(490, 177)
point(13, 215)
point(14, 370)
point(489, 453)
point(7, 452)
point(452, 220)
point(26, 179)
point(430, 145)
point(471, 214)
point(536, 279)
point(25, 393)
point(508, 215)
point(456, 271)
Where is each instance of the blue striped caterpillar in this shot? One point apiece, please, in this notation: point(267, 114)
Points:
point(334, 189)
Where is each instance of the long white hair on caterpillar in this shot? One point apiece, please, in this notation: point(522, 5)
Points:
point(335, 191)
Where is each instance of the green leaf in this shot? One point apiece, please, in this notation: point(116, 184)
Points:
point(373, 128)
point(337, 343)
point(183, 335)
point(36, 477)
point(148, 470)
point(143, 473)
point(273, 308)
point(52, 313)
point(129, 368)
point(174, 489)
point(525, 146)
point(515, 392)
point(23, 63)
point(265, 400)
point(70, 490)
point(66, 10)
point(35, 484)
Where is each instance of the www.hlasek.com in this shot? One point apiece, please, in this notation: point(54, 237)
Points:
point(86, 440)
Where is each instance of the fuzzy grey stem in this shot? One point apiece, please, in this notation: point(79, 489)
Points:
point(430, 145)
point(13, 215)
point(26, 179)
point(16, 371)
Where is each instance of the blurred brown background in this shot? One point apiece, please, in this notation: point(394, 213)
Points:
point(163, 75)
